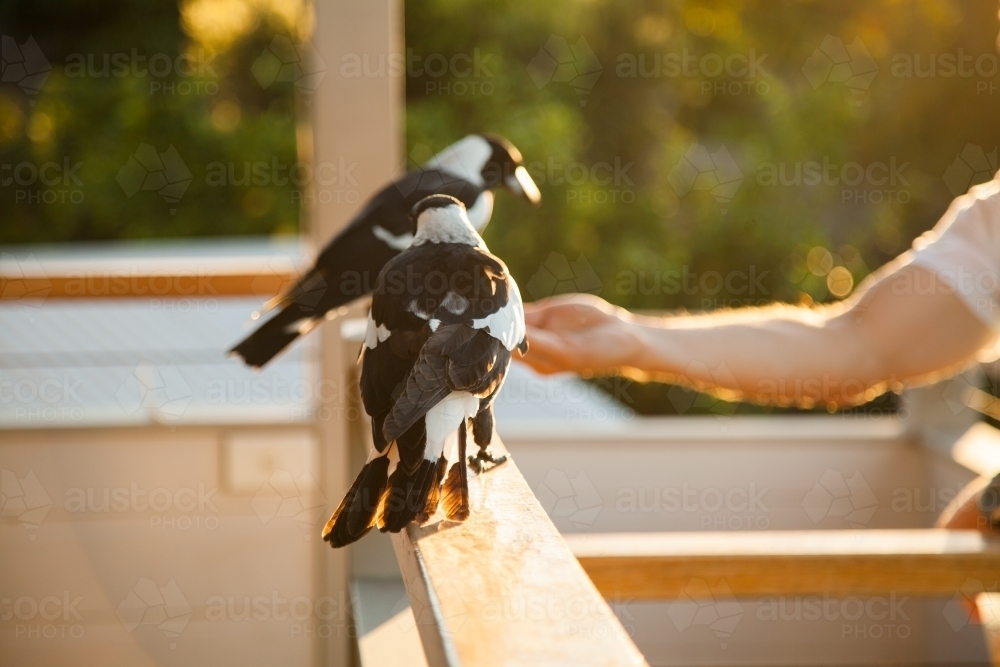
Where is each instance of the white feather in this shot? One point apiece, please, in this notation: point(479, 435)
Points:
point(448, 224)
point(465, 158)
point(454, 303)
point(393, 455)
point(375, 335)
point(416, 310)
point(400, 242)
point(481, 211)
point(442, 421)
point(507, 324)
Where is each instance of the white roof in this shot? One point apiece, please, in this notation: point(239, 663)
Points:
point(89, 362)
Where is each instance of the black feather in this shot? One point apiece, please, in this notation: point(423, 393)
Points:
point(271, 337)
point(455, 494)
point(350, 263)
point(406, 496)
point(455, 358)
point(434, 495)
point(355, 515)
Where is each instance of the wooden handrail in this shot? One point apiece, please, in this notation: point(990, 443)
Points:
point(147, 285)
point(650, 566)
point(503, 587)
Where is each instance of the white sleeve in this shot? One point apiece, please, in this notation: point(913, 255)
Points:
point(963, 250)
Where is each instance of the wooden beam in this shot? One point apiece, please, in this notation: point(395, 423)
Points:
point(503, 587)
point(123, 285)
point(357, 126)
point(650, 566)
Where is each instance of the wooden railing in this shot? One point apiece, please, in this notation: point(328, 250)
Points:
point(838, 563)
point(504, 586)
point(143, 284)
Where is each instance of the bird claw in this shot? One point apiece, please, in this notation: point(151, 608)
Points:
point(479, 461)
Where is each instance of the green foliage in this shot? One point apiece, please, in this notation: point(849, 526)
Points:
point(616, 90)
point(97, 107)
point(476, 65)
point(776, 117)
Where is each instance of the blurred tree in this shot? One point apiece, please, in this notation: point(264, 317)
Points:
point(691, 154)
point(127, 74)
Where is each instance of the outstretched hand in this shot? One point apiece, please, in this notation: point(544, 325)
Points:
point(580, 333)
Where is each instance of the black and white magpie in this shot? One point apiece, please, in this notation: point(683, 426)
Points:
point(445, 317)
point(346, 269)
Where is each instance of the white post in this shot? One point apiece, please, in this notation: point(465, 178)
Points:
point(357, 125)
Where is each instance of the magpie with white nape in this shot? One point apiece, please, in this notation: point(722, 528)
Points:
point(348, 266)
point(444, 320)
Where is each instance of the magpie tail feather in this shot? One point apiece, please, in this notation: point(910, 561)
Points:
point(455, 494)
point(357, 512)
point(434, 495)
point(270, 338)
point(406, 496)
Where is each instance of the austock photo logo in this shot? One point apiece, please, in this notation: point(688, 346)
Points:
point(160, 392)
point(24, 499)
point(415, 160)
point(284, 61)
point(148, 169)
point(24, 65)
point(980, 69)
point(184, 508)
point(848, 499)
point(557, 275)
point(47, 182)
point(683, 400)
point(323, 182)
point(24, 279)
point(973, 604)
point(703, 605)
point(714, 172)
point(860, 618)
point(962, 393)
point(43, 618)
point(43, 396)
point(600, 182)
point(720, 74)
point(282, 495)
point(150, 604)
point(575, 499)
point(742, 507)
point(447, 619)
point(189, 73)
point(972, 165)
point(851, 65)
point(559, 62)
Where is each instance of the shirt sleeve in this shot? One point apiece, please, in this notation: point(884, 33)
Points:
point(963, 250)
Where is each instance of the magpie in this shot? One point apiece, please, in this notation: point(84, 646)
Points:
point(445, 317)
point(468, 170)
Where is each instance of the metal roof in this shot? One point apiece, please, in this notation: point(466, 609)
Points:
point(89, 362)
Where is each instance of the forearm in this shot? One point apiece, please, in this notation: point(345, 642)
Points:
point(780, 355)
point(887, 334)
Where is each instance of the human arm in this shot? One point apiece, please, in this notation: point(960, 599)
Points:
point(902, 325)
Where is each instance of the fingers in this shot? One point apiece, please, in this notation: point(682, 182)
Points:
point(539, 366)
point(550, 352)
point(963, 512)
point(566, 310)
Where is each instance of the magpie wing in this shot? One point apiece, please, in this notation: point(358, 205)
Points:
point(384, 370)
point(456, 357)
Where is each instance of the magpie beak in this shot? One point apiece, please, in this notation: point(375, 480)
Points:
point(520, 183)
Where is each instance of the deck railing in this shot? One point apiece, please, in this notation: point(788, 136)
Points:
point(505, 587)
